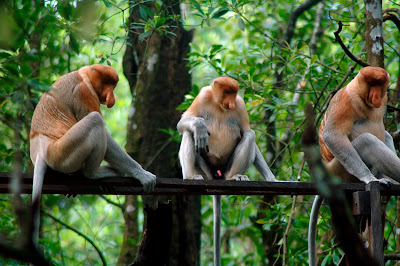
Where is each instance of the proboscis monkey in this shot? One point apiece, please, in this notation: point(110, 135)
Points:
point(218, 142)
point(353, 142)
point(68, 132)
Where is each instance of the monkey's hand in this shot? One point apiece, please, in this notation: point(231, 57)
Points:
point(147, 179)
point(200, 135)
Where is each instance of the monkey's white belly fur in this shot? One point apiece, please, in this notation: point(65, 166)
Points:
point(222, 141)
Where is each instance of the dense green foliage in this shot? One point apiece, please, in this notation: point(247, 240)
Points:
point(247, 40)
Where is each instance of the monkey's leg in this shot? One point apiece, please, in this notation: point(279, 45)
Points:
point(120, 160)
point(378, 155)
point(193, 165)
point(242, 158)
point(84, 145)
point(262, 166)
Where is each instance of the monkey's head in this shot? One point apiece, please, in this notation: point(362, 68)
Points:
point(373, 82)
point(104, 79)
point(225, 90)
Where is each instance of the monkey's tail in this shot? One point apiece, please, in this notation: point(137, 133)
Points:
point(38, 176)
point(312, 230)
point(217, 229)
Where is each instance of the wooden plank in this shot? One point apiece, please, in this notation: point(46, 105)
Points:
point(361, 203)
point(57, 183)
point(375, 222)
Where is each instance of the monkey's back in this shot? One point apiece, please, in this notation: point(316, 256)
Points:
point(54, 117)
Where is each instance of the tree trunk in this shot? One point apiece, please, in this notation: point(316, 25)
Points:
point(159, 78)
point(131, 231)
point(374, 32)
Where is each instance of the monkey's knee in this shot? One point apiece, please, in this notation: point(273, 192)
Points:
point(250, 135)
point(95, 119)
point(365, 142)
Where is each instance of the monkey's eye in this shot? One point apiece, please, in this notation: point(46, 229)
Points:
point(230, 92)
point(109, 82)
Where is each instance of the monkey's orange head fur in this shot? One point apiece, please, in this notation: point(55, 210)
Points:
point(377, 81)
point(104, 80)
point(225, 90)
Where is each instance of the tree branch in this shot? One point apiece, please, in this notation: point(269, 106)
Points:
point(391, 17)
point(111, 202)
point(339, 40)
point(294, 15)
point(79, 233)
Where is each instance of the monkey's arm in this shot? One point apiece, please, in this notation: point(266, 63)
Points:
point(199, 129)
point(121, 161)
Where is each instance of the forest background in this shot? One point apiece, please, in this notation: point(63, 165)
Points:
point(283, 54)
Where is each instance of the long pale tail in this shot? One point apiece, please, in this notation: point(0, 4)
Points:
point(312, 230)
point(38, 176)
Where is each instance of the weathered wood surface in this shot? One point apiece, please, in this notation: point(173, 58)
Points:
point(56, 183)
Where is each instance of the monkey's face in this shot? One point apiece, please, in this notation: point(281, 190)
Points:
point(229, 99)
point(375, 80)
point(226, 89)
point(104, 80)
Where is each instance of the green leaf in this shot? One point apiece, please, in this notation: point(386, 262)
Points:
point(197, 6)
point(144, 35)
point(215, 48)
point(194, 54)
point(158, 4)
point(335, 258)
point(326, 260)
point(107, 3)
point(142, 12)
point(241, 25)
point(347, 35)
point(220, 12)
point(208, 21)
point(313, 59)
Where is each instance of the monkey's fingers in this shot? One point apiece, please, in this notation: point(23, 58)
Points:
point(148, 181)
point(386, 182)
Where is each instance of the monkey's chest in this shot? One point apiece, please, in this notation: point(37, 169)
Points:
point(223, 139)
point(364, 126)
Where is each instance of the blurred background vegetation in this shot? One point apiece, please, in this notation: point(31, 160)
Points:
point(282, 60)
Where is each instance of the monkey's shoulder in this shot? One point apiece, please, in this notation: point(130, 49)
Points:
point(67, 82)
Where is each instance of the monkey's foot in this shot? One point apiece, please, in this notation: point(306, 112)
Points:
point(195, 177)
point(387, 181)
point(147, 179)
point(239, 178)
